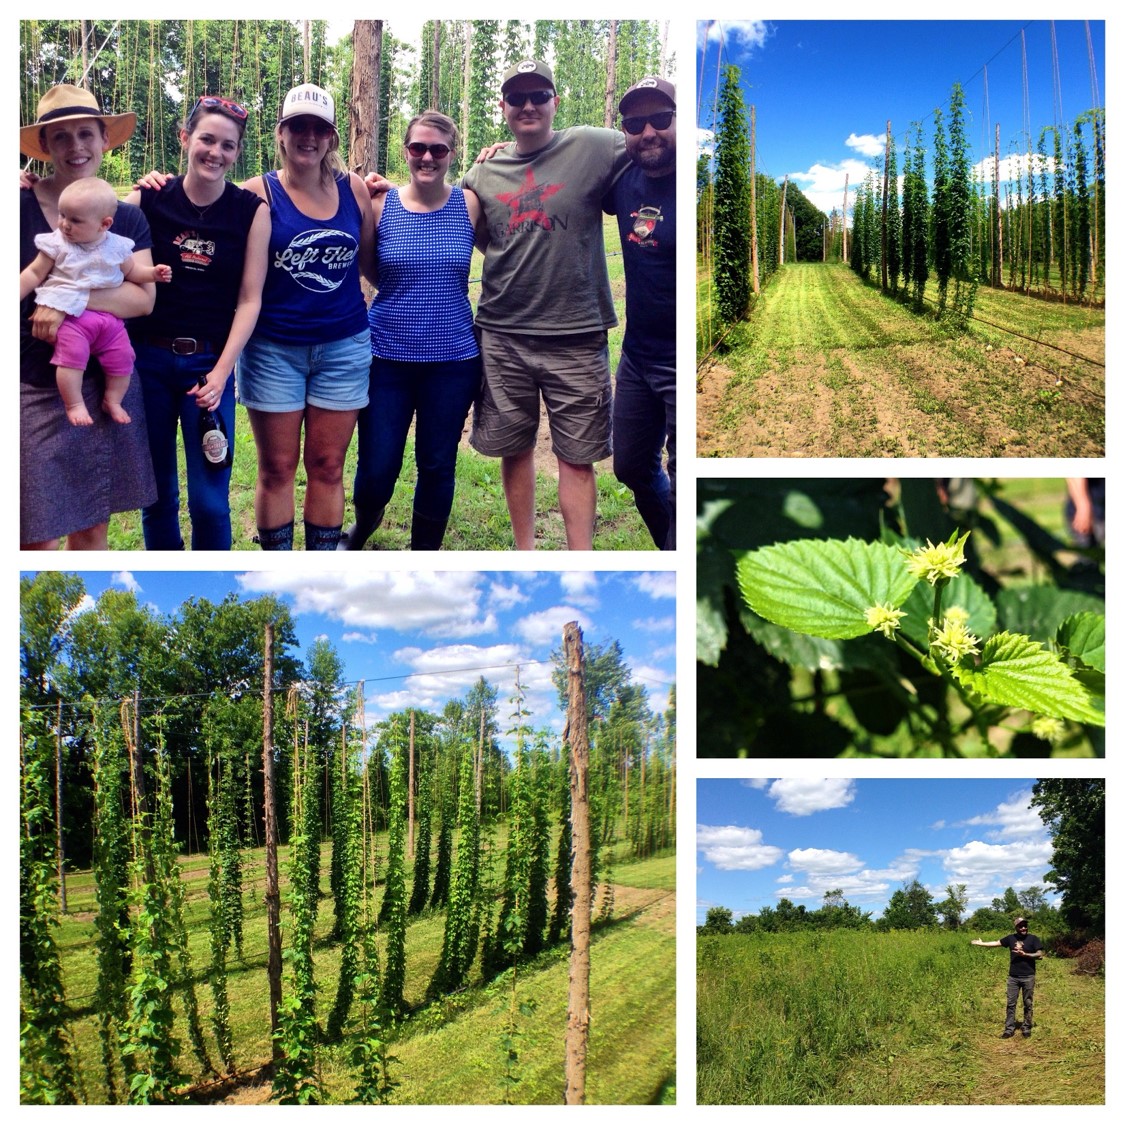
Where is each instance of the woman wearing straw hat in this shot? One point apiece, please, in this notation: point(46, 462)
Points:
point(73, 477)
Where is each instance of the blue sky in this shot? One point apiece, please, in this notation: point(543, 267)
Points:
point(768, 838)
point(419, 638)
point(823, 97)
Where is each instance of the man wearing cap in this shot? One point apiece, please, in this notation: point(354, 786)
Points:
point(545, 304)
point(1024, 950)
point(644, 400)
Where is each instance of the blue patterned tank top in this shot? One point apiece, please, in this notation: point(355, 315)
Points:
point(421, 313)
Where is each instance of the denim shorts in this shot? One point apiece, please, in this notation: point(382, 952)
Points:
point(276, 378)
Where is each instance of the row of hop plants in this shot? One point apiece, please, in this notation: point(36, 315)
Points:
point(1049, 235)
point(140, 929)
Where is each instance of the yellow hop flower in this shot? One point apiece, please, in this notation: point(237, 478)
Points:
point(938, 562)
point(884, 618)
point(956, 613)
point(1050, 730)
point(954, 641)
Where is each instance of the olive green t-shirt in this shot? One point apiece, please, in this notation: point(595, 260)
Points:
point(544, 269)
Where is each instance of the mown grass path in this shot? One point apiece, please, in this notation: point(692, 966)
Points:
point(888, 1019)
point(827, 366)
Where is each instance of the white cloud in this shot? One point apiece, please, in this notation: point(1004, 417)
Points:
point(580, 587)
point(505, 597)
point(823, 184)
point(755, 782)
point(746, 34)
point(658, 584)
point(1013, 166)
point(440, 605)
point(823, 861)
point(804, 796)
point(705, 141)
point(546, 626)
point(655, 624)
point(732, 848)
point(866, 144)
point(1015, 818)
point(125, 579)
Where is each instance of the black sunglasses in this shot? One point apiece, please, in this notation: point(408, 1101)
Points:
point(659, 121)
point(418, 150)
point(536, 97)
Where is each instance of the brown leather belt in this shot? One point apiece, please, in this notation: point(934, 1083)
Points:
point(181, 345)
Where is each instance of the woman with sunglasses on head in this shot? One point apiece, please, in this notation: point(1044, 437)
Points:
point(306, 366)
point(215, 236)
point(73, 477)
point(425, 364)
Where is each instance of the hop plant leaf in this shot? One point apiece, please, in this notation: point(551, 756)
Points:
point(824, 588)
point(1019, 672)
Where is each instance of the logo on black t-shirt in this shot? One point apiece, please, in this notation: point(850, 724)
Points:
point(194, 251)
point(644, 226)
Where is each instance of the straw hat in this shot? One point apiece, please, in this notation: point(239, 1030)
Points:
point(64, 102)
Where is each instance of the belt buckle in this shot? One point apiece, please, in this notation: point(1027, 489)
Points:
point(185, 345)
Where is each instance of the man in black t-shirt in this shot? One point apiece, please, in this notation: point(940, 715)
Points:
point(644, 399)
point(1024, 950)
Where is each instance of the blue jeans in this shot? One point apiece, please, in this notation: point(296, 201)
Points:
point(165, 379)
point(437, 396)
point(644, 414)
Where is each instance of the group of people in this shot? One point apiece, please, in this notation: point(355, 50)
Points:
point(211, 278)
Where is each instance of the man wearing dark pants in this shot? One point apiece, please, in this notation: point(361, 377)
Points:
point(1024, 950)
point(644, 401)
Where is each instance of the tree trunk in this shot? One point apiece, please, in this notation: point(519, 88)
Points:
point(363, 103)
point(578, 1001)
point(273, 896)
point(610, 75)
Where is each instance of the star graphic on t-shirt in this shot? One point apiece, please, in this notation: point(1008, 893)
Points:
point(527, 203)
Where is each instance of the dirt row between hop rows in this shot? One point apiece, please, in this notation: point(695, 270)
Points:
point(826, 366)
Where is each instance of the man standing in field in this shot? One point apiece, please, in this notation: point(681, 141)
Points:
point(644, 399)
point(1024, 950)
point(545, 304)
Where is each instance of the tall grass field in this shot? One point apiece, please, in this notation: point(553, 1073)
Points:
point(902, 1018)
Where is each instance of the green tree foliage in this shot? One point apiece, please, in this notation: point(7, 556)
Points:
point(915, 223)
point(423, 835)
point(393, 912)
point(731, 249)
point(910, 908)
point(952, 907)
point(719, 920)
point(894, 218)
point(1074, 811)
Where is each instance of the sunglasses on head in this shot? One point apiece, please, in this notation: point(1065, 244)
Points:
point(659, 121)
point(223, 105)
point(418, 150)
point(536, 97)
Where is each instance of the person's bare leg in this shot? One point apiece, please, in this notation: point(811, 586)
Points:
point(578, 498)
point(94, 538)
point(69, 380)
point(517, 473)
point(115, 388)
point(278, 440)
point(327, 435)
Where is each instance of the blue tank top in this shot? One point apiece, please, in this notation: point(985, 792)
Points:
point(312, 293)
point(421, 313)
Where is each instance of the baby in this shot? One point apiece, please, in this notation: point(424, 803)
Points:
point(79, 256)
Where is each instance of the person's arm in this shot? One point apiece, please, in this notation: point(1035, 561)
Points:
point(254, 266)
point(366, 228)
point(977, 941)
point(128, 299)
point(1079, 493)
point(377, 185)
point(139, 274)
point(35, 274)
point(476, 217)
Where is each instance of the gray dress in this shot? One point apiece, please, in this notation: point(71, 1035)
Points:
point(74, 477)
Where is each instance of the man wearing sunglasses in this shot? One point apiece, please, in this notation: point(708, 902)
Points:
point(545, 304)
point(1024, 950)
point(644, 398)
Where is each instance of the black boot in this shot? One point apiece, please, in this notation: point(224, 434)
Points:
point(276, 538)
point(318, 538)
point(426, 533)
point(355, 538)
